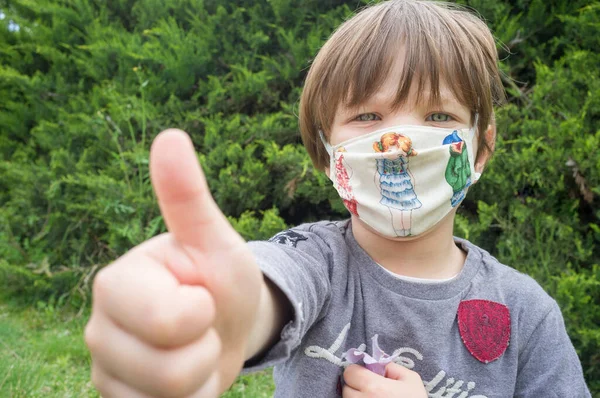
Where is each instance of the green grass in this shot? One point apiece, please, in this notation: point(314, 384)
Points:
point(42, 354)
point(255, 385)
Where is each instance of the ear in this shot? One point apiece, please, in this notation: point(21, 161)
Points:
point(486, 154)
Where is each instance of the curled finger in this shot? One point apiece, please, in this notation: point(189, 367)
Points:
point(110, 387)
point(145, 299)
point(155, 371)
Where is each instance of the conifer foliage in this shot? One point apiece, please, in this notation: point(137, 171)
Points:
point(86, 85)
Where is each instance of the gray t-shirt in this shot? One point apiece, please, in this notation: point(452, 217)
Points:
point(489, 332)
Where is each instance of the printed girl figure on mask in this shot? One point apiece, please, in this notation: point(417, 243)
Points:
point(344, 173)
point(396, 183)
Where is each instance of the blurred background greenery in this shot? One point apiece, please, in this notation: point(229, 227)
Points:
point(85, 85)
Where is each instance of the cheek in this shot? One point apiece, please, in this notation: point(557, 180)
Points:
point(339, 135)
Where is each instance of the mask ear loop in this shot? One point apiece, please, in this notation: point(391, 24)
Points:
point(329, 150)
point(473, 133)
point(328, 147)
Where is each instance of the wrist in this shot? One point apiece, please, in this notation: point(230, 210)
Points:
point(274, 311)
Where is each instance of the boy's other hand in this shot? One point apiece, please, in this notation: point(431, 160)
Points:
point(399, 382)
point(172, 317)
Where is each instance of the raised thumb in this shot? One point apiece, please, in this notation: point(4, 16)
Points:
point(186, 204)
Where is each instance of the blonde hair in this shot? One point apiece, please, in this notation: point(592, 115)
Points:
point(441, 41)
point(394, 139)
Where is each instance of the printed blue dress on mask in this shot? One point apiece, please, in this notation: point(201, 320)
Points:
point(397, 190)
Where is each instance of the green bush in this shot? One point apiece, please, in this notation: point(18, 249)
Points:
point(86, 85)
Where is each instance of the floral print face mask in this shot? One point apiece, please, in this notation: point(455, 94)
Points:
point(403, 180)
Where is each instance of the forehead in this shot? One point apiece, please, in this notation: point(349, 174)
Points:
point(390, 93)
point(421, 84)
point(404, 74)
point(402, 53)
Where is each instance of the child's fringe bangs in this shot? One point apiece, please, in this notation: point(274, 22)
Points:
point(439, 42)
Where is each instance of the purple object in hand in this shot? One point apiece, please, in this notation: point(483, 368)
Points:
point(375, 363)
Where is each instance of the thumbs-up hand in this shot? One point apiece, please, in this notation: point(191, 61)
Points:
point(173, 316)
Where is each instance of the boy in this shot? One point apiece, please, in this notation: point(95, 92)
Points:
point(397, 109)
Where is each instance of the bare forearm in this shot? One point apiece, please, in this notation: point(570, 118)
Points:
point(273, 313)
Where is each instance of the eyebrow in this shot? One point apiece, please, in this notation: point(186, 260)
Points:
point(445, 99)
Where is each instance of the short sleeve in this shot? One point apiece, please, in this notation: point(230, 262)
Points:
point(297, 262)
point(548, 365)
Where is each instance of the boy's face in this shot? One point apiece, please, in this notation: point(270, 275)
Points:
point(377, 113)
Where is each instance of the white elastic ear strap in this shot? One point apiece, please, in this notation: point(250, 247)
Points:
point(476, 175)
point(325, 143)
point(474, 127)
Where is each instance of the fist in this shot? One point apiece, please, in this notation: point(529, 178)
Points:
point(172, 317)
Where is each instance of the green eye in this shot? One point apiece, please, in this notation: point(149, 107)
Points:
point(367, 117)
point(439, 117)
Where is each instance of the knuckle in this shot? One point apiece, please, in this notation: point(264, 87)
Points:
point(182, 377)
point(99, 381)
point(102, 283)
point(175, 382)
point(162, 324)
point(91, 337)
point(96, 379)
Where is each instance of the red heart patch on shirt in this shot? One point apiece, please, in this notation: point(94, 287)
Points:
point(484, 328)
